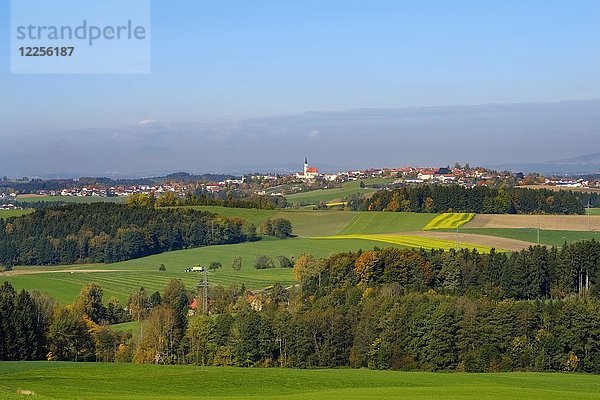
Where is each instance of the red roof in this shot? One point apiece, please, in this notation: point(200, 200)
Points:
point(194, 304)
point(311, 169)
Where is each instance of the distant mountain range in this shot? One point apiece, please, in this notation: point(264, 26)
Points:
point(583, 165)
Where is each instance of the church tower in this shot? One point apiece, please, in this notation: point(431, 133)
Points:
point(305, 166)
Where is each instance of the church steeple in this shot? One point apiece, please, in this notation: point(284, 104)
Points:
point(305, 165)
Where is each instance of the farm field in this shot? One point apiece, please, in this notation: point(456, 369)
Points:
point(549, 237)
point(310, 223)
point(69, 199)
point(320, 233)
point(119, 381)
point(548, 222)
point(332, 195)
point(412, 241)
point(593, 211)
point(252, 215)
point(14, 213)
point(469, 238)
point(449, 221)
point(371, 222)
point(123, 278)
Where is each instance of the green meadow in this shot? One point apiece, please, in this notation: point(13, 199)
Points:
point(593, 211)
point(337, 194)
point(314, 230)
point(14, 213)
point(95, 381)
point(311, 223)
point(549, 237)
point(123, 278)
point(251, 215)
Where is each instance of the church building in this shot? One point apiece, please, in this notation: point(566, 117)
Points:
point(308, 172)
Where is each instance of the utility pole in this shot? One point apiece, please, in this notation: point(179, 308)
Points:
point(204, 286)
point(589, 206)
point(457, 240)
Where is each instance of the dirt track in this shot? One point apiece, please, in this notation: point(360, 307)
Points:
point(481, 240)
point(549, 222)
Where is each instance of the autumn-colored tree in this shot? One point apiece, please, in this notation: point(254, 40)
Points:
point(366, 266)
point(157, 344)
point(306, 266)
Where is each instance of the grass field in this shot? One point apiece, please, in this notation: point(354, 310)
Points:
point(315, 229)
point(593, 211)
point(251, 215)
point(371, 222)
point(14, 213)
point(334, 195)
point(123, 278)
point(550, 237)
point(547, 222)
point(69, 199)
point(93, 381)
point(411, 241)
point(132, 326)
point(310, 223)
point(449, 221)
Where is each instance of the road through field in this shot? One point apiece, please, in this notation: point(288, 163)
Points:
point(548, 222)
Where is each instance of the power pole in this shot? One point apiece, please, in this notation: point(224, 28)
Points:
point(457, 240)
point(589, 206)
point(204, 286)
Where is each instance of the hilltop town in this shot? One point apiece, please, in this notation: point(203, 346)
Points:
point(309, 178)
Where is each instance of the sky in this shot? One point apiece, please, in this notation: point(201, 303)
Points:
point(224, 70)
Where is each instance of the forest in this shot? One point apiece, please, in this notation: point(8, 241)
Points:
point(482, 200)
point(107, 232)
point(380, 309)
point(263, 202)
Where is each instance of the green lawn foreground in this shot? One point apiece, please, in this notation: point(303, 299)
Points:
point(128, 381)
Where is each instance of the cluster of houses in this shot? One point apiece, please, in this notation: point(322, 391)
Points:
point(268, 183)
point(7, 207)
point(116, 191)
point(463, 176)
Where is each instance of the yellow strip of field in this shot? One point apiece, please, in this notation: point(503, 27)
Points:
point(412, 241)
point(449, 221)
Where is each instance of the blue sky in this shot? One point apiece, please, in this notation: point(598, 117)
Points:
point(252, 58)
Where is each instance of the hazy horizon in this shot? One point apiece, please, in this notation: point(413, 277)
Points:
point(236, 85)
point(486, 135)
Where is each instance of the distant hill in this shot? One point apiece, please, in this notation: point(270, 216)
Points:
point(582, 165)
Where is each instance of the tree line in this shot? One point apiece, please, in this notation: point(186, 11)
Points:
point(536, 273)
point(107, 232)
point(483, 200)
point(263, 202)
